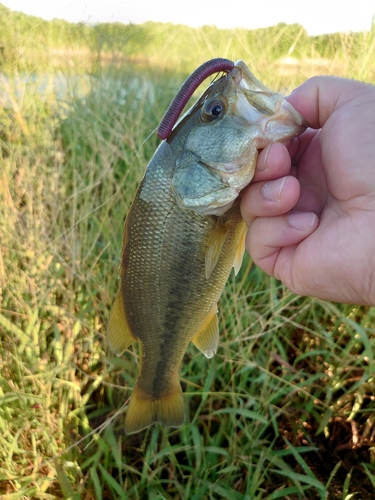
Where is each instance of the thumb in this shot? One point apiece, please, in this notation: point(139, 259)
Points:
point(317, 98)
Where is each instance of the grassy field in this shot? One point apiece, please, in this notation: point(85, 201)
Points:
point(285, 410)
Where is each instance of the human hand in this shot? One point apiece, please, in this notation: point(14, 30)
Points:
point(311, 207)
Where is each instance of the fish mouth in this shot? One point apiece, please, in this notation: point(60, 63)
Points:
point(296, 116)
point(257, 104)
point(285, 124)
point(246, 80)
point(284, 121)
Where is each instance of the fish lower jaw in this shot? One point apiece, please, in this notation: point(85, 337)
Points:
point(284, 125)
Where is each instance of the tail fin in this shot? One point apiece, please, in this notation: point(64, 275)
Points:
point(144, 411)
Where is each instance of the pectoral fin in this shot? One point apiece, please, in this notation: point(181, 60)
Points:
point(240, 251)
point(207, 337)
point(119, 336)
point(215, 245)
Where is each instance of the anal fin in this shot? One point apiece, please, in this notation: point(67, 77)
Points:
point(119, 336)
point(206, 338)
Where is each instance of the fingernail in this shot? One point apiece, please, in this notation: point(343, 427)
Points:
point(264, 164)
point(272, 190)
point(301, 220)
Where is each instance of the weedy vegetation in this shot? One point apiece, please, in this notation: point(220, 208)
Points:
point(285, 410)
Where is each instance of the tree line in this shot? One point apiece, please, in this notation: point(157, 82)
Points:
point(25, 39)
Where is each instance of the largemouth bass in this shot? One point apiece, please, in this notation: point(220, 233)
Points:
point(184, 233)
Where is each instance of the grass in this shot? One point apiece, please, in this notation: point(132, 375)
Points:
point(284, 410)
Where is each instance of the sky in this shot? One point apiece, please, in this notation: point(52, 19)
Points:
point(317, 16)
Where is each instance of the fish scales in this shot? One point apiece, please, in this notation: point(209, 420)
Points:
point(184, 233)
point(172, 308)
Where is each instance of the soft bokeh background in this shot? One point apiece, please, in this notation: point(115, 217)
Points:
point(319, 17)
point(286, 407)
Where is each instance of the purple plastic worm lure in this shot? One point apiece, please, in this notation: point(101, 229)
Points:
point(186, 91)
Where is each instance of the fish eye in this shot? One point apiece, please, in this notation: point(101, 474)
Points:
point(216, 109)
point(212, 110)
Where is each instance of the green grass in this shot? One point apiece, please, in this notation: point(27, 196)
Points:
point(284, 410)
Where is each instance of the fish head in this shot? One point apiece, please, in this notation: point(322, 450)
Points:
point(217, 141)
